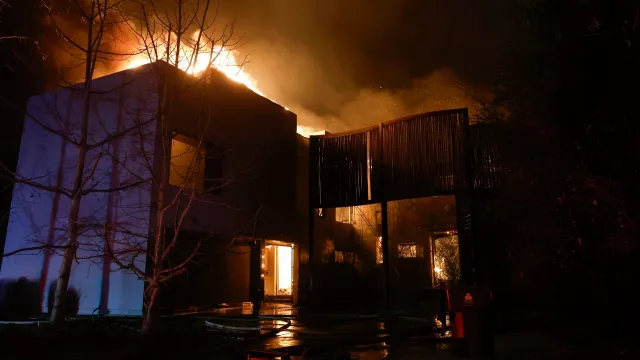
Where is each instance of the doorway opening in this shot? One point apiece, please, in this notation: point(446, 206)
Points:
point(278, 272)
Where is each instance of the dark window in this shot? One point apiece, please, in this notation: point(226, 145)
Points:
point(213, 169)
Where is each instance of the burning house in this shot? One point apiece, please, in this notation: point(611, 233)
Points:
point(259, 212)
point(239, 150)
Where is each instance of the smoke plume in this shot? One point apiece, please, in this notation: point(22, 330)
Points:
point(341, 64)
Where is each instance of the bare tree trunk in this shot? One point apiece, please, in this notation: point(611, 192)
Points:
point(58, 312)
point(148, 321)
point(44, 272)
point(59, 309)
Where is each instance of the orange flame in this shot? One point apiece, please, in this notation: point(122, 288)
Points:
point(196, 60)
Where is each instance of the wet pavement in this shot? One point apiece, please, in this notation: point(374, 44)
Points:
point(283, 327)
point(246, 308)
point(330, 336)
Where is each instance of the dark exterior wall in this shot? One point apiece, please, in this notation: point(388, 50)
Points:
point(216, 276)
point(259, 202)
point(302, 217)
point(259, 140)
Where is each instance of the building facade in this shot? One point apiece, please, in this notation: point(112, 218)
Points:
point(238, 147)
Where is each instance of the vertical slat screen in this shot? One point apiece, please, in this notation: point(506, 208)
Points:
point(423, 155)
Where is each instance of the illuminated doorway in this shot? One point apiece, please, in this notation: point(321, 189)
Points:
point(278, 272)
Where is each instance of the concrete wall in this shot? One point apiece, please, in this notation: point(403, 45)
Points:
point(44, 155)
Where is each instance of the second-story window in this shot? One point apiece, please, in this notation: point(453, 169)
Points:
point(214, 179)
point(187, 165)
point(197, 165)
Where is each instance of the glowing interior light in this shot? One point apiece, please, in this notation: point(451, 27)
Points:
point(284, 254)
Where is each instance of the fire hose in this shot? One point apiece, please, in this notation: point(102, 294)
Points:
point(221, 323)
point(212, 326)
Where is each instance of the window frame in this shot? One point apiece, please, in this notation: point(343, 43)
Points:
point(196, 184)
point(212, 177)
point(417, 252)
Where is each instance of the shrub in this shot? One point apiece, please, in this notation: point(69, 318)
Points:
point(71, 303)
point(19, 299)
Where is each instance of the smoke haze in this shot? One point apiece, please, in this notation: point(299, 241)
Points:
point(340, 65)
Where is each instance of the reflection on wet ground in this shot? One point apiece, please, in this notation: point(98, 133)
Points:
point(329, 336)
point(269, 309)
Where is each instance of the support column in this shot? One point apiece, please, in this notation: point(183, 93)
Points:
point(464, 198)
point(385, 220)
point(385, 253)
point(311, 201)
point(256, 281)
point(465, 239)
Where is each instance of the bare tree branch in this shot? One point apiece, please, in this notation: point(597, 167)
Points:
point(117, 188)
point(33, 248)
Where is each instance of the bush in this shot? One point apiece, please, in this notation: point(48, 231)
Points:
point(19, 299)
point(71, 303)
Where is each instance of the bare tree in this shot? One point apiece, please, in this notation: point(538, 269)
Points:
point(179, 37)
point(87, 45)
point(3, 6)
point(130, 150)
point(97, 15)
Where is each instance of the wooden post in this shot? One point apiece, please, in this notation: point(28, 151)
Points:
point(464, 190)
point(385, 253)
point(385, 221)
point(256, 282)
point(313, 184)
